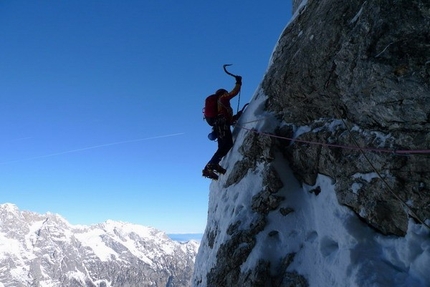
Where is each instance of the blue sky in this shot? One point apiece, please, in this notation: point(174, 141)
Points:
point(101, 102)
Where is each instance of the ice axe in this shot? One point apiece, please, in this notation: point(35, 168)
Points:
point(233, 75)
point(227, 72)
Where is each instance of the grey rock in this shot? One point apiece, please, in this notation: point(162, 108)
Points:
point(364, 65)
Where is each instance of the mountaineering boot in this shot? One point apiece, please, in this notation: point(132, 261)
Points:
point(219, 169)
point(209, 172)
point(216, 167)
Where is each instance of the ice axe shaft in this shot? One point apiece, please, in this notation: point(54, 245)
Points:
point(233, 75)
point(227, 72)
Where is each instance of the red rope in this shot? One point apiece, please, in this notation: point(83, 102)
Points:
point(340, 146)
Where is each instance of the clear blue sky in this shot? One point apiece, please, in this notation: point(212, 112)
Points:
point(101, 102)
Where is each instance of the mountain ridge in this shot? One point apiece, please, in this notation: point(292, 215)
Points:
point(46, 250)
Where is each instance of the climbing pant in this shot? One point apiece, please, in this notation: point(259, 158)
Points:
point(225, 142)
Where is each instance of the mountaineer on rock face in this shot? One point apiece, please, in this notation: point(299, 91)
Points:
point(219, 114)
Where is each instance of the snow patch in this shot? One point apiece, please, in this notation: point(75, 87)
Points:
point(380, 138)
point(353, 20)
point(302, 130)
point(356, 187)
point(365, 176)
point(93, 241)
point(78, 276)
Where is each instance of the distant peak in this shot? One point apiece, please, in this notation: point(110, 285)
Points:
point(9, 207)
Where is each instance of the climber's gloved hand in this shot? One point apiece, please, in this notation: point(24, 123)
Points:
point(238, 80)
point(236, 117)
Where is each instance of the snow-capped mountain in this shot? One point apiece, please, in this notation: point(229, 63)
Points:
point(327, 183)
point(45, 250)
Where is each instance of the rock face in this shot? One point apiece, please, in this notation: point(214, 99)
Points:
point(45, 250)
point(358, 76)
point(345, 104)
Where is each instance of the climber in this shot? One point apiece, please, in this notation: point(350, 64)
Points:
point(222, 130)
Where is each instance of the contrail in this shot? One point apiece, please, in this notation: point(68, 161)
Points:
point(92, 147)
point(19, 139)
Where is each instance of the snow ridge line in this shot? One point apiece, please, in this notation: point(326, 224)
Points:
point(398, 152)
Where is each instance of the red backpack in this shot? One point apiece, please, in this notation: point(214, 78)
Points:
point(210, 111)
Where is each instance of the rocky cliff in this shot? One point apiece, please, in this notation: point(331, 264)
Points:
point(45, 250)
point(367, 64)
point(328, 179)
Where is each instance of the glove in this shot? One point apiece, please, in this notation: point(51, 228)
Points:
point(238, 80)
point(236, 117)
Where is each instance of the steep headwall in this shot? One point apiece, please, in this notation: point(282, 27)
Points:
point(327, 183)
point(366, 63)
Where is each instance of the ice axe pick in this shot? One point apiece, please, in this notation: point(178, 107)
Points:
point(227, 72)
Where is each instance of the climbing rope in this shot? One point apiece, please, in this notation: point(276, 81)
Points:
point(362, 150)
point(295, 140)
point(238, 102)
point(355, 147)
point(403, 202)
point(390, 189)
